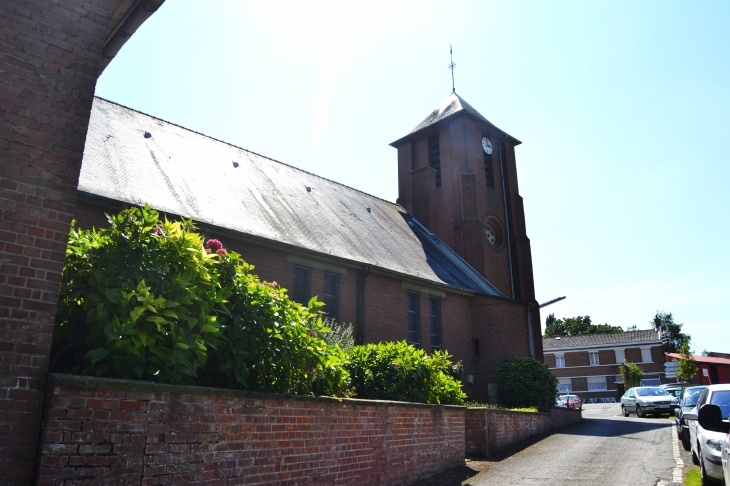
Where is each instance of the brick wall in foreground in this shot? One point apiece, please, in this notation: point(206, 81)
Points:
point(494, 432)
point(122, 432)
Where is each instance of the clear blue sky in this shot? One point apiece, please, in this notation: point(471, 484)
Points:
point(623, 108)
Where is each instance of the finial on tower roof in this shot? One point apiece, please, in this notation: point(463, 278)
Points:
point(452, 66)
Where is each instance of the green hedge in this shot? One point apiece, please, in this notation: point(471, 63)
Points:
point(398, 371)
point(149, 299)
point(525, 382)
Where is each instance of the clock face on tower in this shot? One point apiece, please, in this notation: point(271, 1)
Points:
point(487, 146)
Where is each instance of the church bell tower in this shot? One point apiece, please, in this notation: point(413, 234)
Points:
point(457, 175)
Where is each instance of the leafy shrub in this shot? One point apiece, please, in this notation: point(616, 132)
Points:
point(631, 374)
point(146, 299)
point(138, 300)
point(341, 334)
point(525, 382)
point(399, 371)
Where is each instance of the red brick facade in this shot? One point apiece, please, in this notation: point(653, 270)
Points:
point(142, 433)
point(50, 52)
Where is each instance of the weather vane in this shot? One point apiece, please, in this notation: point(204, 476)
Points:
point(452, 66)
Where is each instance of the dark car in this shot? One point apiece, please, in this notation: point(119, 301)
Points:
point(687, 402)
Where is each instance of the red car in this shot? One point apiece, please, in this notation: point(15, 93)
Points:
point(572, 401)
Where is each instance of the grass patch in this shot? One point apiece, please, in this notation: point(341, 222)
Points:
point(498, 407)
point(693, 477)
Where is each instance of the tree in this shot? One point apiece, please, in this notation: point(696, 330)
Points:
point(576, 326)
point(525, 382)
point(686, 365)
point(632, 374)
point(632, 328)
point(672, 335)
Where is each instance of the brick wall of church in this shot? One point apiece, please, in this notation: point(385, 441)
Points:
point(50, 54)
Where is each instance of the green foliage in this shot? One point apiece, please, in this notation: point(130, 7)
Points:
point(631, 373)
point(672, 335)
point(138, 300)
point(576, 326)
point(399, 371)
point(145, 299)
point(686, 366)
point(341, 334)
point(525, 382)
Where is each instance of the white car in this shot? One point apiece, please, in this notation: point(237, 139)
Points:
point(707, 444)
point(643, 400)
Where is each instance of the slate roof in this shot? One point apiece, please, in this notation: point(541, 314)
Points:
point(452, 105)
point(136, 158)
point(630, 337)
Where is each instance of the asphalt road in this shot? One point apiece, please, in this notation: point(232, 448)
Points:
point(605, 449)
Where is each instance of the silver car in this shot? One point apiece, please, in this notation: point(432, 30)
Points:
point(707, 444)
point(643, 400)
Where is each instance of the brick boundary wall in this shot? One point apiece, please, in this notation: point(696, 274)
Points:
point(107, 431)
point(493, 432)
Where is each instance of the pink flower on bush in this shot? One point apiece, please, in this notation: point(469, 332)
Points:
point(207, 250)
point(273, 284)
point(214, 245)
point(221, 251)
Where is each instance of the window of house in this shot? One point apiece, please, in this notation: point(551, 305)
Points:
point(435, 318)
point(620, 355)
point(565, 385)
point(331, 296)
point(593, 357)
point(414, 319)
point(646, 355)
point(596, 383)
point(301, 292)
point(650, 380)
point(560, 361)
point(476, 347)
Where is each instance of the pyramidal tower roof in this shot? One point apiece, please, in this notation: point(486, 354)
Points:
point(452, 105)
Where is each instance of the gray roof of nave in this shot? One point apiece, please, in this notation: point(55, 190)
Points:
point(629, 337)
point(185, 173)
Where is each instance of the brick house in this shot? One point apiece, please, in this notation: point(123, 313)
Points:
point(434, 270)
point(589, 365)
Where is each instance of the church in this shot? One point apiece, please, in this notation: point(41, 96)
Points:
point(447, 266)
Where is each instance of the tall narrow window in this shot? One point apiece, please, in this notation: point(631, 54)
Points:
point(435, 318)
point(488, 167)
point(332, 296)
point(301, 285)
point(434, 157)
point(414, 319)
point(560, 361)
point(476, 347)
point(593, 358)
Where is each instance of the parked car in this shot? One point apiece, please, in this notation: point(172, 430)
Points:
point(707, 441)
point(687, 402)
point(643, 400)
point(572, 401)
point(559, 402)
point(710, 418)
point(675, 389)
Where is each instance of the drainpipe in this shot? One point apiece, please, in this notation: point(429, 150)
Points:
point(361, 302)
point(529, 330)
point(506, 218)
